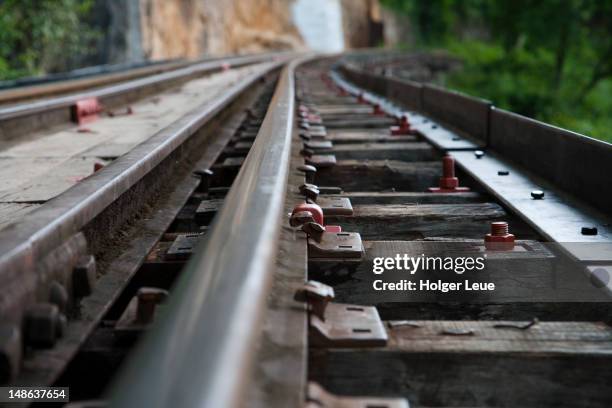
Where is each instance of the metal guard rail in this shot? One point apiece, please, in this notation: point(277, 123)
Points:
point(199, 352)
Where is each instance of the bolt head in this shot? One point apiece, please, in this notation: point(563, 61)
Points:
point(42, 325)
point(84, 276)
point(479, 154)
point(503, 173)
point(58, 295)
point(537, 194)
point(589, 231)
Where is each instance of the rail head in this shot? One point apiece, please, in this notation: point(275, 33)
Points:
point(199, 352)
point(30, 108)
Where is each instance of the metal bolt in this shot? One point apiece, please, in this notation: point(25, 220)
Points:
point(309, 171)
point(10, 353)
point(478, 154)
point(304, 136)
point(58, 295)
point(84, 276)
point(43, 325)
point(310, 190)
point(300, 218)
point(304, 126)
point(307, 152)
point(499, 238)
point(537, 194)
point(589, 230)
point(503, 173)
point(148, 299)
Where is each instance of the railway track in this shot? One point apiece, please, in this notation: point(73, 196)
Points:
point(256, 252)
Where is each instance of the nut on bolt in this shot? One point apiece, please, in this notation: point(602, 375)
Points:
point(58, 296)
point(499, 238)
point(148, 299)
point(43, 325)
point(84, 276)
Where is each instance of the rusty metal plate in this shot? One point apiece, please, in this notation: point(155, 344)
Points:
point(207, 209)
point(348, 326)
point(182, 247)
point(321, 160)
point(319, 144)
point(233, 162)
point(335, 205)
point(317, 397)
point(336, 245)
point(317, 132)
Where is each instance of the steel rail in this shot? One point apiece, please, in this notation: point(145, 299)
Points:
point(30, 108)
point(199, 353)
point(23, 243)
point(64, 83)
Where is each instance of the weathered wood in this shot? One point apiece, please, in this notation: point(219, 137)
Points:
point(413, 151)
point(359, 197)
point(378, 175)
point(368, 136)
point(551, 364)
point(396, 221)
point(358, 121)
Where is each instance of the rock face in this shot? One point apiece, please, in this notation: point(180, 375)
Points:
point(191, 28)
point(162, 29)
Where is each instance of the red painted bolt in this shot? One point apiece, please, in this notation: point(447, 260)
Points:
point(98, 166)
point(403, 128)
point(499, 238)
point(448, 182)
point(378, 110)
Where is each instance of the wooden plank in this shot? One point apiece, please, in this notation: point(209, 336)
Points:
point(551, 364)
point(414, 151)
point(360, 121)
point(368, 136)
point(378, 175)
point(397, 221)
point(367, 197)
point(10, 212)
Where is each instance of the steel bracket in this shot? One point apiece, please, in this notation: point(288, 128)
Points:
point(335, 245)
point(335, 205)
point(347, 326)
point(321, 160)
point(317, 397)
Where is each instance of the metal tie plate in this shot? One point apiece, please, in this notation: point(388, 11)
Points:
point(336, 245)
point(319, 144)
point(348, 326)
point(322, 160)
point(317, 397)
point(335, 205)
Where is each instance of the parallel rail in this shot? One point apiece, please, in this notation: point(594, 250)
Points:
point(234, 332)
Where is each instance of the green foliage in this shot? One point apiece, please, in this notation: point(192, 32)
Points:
point(551, 60)
point(38, 36)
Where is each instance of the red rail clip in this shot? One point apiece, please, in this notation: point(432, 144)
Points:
point(86, 110)
point(448, 182)
point(317, 215)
